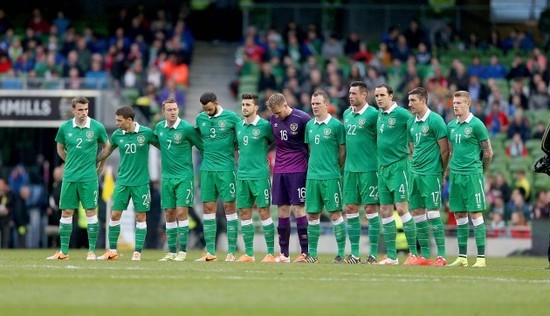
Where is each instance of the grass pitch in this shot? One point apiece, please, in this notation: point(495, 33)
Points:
point(31, 285)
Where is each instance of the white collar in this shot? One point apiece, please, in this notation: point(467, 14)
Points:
point(87, 125)
point(424, 118)
point(219, 112)
point(467, 120)
point(178, 120)
point(392, 107)
point(256, 120)
point(325, 121)
point(136, 128)
point(362, 110)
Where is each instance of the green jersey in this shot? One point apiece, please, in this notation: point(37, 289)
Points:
point(465, 141)
point(424, 134)
point(219, 140)
point(361, 155)
point(254, 140)
point(133, 169)
point(324, 139)
point(176, 144)
point(392, 138)
point(81, 147)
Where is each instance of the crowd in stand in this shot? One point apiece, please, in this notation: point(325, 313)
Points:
point(506, 77)
point(139, 51)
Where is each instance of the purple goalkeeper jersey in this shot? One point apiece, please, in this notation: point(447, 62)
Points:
point(292, 153)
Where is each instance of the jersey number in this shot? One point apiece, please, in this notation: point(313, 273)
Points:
point(169, 141)
point(317, 139)
point(245, 140)
point(458, 138)
point(78, 143)
point(417, 137)
point(130, 148)
point(212, 132)
point(284, 135)
point(351, 129)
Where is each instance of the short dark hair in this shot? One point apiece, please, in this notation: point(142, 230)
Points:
point(421, 92)
point(387, 86)
point(361, 84)
point(79, 100)
point(250, 96)
point(126, 112)
point(322, 93)
point(208, 97)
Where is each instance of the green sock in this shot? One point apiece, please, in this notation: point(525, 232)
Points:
point(114, 232)
point(340, 235)
point(480, 234)
point(232, 231)
point(390, 231)
point(65, 231)
point(374, 235)
point(183, 232)
point(210, 227)
point(269, 234)
point(172, 238)
point(354, 232)
point(248, 237)
point(140, 238)
point(93, 231)
point(409, 228)
point(423, 234)
point(462, 234)
point(439, 235)
point(313, 232)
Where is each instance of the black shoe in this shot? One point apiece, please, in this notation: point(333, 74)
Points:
point(371, 260)
point(338, 260)
point(351, 259)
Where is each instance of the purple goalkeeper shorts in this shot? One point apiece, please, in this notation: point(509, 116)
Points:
point(289, 188)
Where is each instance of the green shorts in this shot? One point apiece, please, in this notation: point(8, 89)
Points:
point(466, 192)
point(250, 191)
point(74, 192)
point(393, 182)
point(177, 192)
point(361, 187)
point(327, 193)
point(141, 196)
point(218, 183)
point(425, 191)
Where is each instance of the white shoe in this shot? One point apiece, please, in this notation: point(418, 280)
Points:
point(388, 261)
point(182, 255)
point(169, 257)
point(136, 256)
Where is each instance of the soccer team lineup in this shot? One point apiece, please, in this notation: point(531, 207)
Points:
point(378, 161)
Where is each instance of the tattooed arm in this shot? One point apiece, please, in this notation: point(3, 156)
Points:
point(487, 154)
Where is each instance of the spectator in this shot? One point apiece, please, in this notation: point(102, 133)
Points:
point(61, 23)
point(148, 103)
point(540, 99)
point(497, 121)
point(357, 72)
point(495, 69)
point(374, 79)
point(519, 125)
point(541, 207)
point(478, 90)
point(5, 24)
point(516, 148)
point(351, 45)
point(294, 48)
point(401, 50)
point(37, 23)
point(522, 92)
point(423, 56)
point(523, 185)
point(84, 55)
point(332, 47)
point(458, 76)
point(476, 68)
point(502, 185)
point(362, 54)
point(518, 203)
point(7, 203)
point(518, 219)
point(540, 129)
point(171, 90)
point(518, 69)
point(267, 79)
point(96, 77)
point(414, 34)
point(383, 59)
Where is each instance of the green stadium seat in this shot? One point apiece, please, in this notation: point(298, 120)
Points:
point(130, 95)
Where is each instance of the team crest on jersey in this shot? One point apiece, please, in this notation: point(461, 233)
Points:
point(178, 137)
point(294, 127)
point(141, 140)
point(327, 132)
point(391, 122)
point(425, 129)
point(222, 124)
point(468, 131)
point(361, 122)
point(89, 135)
point(256, 132)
